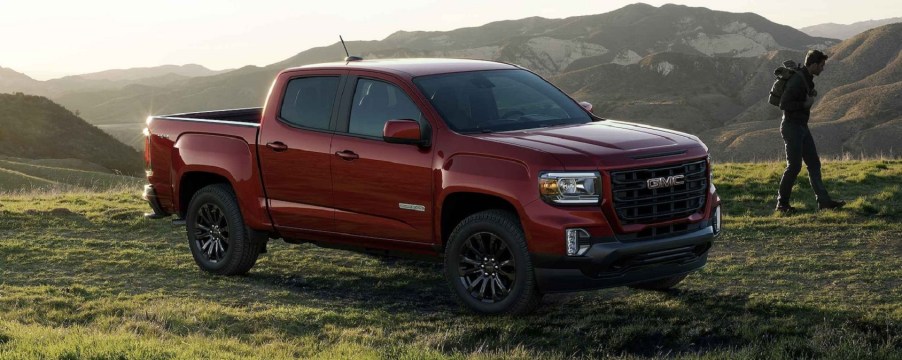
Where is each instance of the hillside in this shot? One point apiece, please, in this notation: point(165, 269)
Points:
point(85, 276)
point(691, 69)
point(34, 127)
point(548, 46)
point(159, 76)
point(859, 110)
point(13, 81)
point(845, 31)
point(554, 46)
point(189, 70)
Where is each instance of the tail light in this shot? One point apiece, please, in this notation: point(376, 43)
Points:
point(148, 168)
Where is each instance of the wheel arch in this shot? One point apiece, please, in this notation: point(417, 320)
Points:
point(191, 182)
point(457, 206)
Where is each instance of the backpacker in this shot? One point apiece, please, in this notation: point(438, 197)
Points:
point(782, 74)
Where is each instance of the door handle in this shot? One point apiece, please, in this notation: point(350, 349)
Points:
point(277, 146)
point(347, 155)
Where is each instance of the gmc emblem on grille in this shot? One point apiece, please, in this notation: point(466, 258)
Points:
point(663, 182)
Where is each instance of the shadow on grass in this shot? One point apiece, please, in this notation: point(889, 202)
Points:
point(427, 292)
point(595, 323)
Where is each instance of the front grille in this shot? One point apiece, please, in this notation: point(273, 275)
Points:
point(635, 203)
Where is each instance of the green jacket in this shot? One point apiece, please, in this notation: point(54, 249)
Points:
point(796, 92)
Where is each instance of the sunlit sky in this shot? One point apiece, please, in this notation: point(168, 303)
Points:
point(49, 39)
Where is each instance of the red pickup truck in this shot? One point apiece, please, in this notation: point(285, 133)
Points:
point(516, 187)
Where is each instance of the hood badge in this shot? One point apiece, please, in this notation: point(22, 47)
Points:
point(663, 182)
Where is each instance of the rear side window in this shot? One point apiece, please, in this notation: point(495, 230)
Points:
point(376, 102)
point(308, 101)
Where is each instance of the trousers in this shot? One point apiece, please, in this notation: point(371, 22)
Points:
point(800, 147)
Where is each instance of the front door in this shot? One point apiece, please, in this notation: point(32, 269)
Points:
point(381, 190)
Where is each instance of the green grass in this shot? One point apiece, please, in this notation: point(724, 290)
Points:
point(83, 275)
point(22, 177)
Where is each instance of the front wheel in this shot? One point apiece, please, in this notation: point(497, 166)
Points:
point(488, 266)
point(217, 237)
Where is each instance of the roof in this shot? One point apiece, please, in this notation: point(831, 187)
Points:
point(414, 67)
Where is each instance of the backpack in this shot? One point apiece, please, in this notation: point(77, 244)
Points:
point(782, 74)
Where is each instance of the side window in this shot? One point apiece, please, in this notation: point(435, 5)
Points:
point(376, 102)
point(308, 101)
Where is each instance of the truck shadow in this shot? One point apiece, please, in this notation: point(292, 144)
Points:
point(425, 292)
point(595, 323)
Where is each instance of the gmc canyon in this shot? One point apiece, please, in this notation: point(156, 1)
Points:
point(515, 186)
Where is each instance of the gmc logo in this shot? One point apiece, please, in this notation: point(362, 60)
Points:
point(663, 182)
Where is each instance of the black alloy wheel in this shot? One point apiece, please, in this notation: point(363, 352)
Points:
point(487, 268)
point(211, 233)
point(219, 241)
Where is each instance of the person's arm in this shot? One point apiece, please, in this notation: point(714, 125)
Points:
point(794, 96)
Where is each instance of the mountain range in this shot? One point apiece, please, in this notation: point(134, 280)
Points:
point(12, 81)
point(843, 31)
point(691, 69)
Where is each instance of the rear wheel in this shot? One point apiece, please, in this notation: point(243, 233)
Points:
point(217, 237)
point(660, 284)
point(488, 267)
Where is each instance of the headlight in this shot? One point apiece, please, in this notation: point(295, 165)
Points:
point(570, 187)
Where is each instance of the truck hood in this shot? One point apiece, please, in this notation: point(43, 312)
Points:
point(605, 144)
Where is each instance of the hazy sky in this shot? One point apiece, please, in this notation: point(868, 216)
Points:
point(48, 39)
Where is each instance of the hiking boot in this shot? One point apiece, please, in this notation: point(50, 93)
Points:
point(832, 205)
point(786, 209)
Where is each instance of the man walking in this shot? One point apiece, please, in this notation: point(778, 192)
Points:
point(798, 96)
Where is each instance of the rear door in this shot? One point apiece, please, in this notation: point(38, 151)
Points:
point(381, 190)
point(294, 150)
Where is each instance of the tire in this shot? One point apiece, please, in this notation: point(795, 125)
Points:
point(503, 280)
point(660, 284)
point(217, 236)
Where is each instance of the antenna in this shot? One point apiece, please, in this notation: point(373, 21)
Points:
point(349, 57)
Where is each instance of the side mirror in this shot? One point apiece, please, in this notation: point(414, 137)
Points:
point(586, 105)
point(405, 132)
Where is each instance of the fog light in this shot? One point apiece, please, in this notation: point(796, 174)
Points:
point(577, 242)
point(717, 221)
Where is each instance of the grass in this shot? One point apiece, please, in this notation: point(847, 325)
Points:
point(27, 178)
point(83, 275)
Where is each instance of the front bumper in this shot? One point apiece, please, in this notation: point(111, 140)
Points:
point(610, 262)
point(151, 197)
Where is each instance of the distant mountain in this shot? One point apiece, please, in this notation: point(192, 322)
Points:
point(12, 81)
point(548, 46)
point(692, 69)
point(842, 31)
point(34, 127)
point(553, 46)
point(188, 71)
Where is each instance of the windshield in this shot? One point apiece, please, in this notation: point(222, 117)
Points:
point(499, 100)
